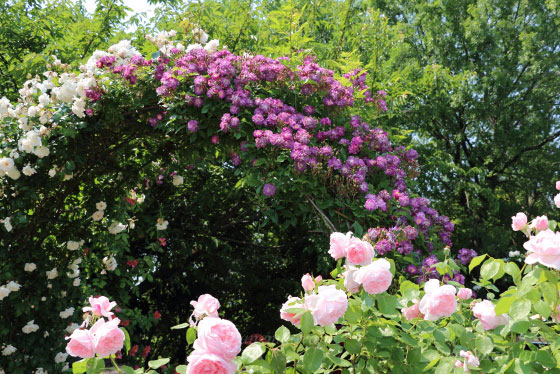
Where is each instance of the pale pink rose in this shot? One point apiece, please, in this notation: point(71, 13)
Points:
point(439, 301)
point(464, 293)
point(557, 200)
point(541, 223)
point(109, 339)
point(327, 306)
point(318, 278)
point(412, 311)
point(338, 244)
point(207, 305)
point(293, 302)
point(201, 362)
point(375, 277)
point(519, 221)
point(558, 185)
point(459, 364)
point(81, 344)
point(307, 282)
point(486, 314)
point(471, 359)
point(359, 252)
point(544, 248)
point(100, 306)
point(349, 282)
point(219, 337)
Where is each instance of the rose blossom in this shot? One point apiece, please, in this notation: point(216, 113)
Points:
point(375, 277)
point(412, 311)
point(81, 344)
point(541, 223)
point(349, 280)
point(219, 337)
point(518, 221)
point(307, 282)
point(544, 248)
point(439, 301)
point(291, 317)
point(207, 305)
point(109, 339)
point(485, 312)
point(206, 363)
point(558, 185)
point(338, 244)
point(464, 293)
point(327, 306)
point(100, 306)
point(557, 200)
point(359, 252)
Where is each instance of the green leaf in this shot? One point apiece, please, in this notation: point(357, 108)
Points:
point(95, 365)
point(387, 304)
point(476, 261)
point(306, 322)
point(155, 364)
point(484, 345)
point(253, 352)
point(545, 358)
point(180, 326)
point(542, 308)
point(490, 269)
point(278, 362)
point(126, 339)
point(432, 363)
point(504, 304)
point(181, 369)
point(512, 269)
point(282, 334)
point(80, 367)
point(520, 309)
point(358, 229)
point(352, 346)
point(129, 370)
point(312, 359)
point(191, 335)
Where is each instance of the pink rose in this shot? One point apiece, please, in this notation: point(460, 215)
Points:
point(558, 185)
point(307, 282)
point(464, 293)
point(541, 223)
point(544, 248)
point(519, 221)
point(375, 277)
point(484, 311)
point(109, 339)
point(293, 302)
point(100, 306)
point(470, 359)
point(81, 344)
point(201, 362)
point(359, 252)
point(327, 306)
point(439, 301)
point(207, 305)
point(557, 200)
point(349, 280)
point(412, 311)
point(338, 244)
point(219, 337)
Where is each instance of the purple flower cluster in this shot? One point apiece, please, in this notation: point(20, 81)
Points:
point(466, 255)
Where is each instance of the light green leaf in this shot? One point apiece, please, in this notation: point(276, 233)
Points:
point(306, 322)
point(191, 335)
point(180, 326)
point(253, 352)
point(312, 359)
point(155, 364)
point(476, 261)
point(520, 309)
point(282, 334)
point(181, 369)
point(484, 345)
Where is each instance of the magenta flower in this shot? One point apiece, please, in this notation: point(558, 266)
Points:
point(269, 189)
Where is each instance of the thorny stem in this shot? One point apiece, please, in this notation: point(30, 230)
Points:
point(115, 365)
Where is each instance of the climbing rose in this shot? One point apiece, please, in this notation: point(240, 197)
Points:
point(100, 306)
point(541, 223)
point(338, 244)
point(412, 311)
point(218, 336)
point(81, 344)
point(349, 280)
point(439, 301)
point(307, 282)
point(206, 305)
point(464, 293)
point(293, 318)
point(375, 277)
point(359, 252)
point(544, 248)
point(201, 362)
point(327, 306)
point(518, 221)
point(485, 312)
point(109, 339)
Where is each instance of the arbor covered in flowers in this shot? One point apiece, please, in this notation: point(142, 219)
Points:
point(98, 171)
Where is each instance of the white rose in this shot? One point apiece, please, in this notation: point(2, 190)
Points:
point(72, 245)
point(67, 313)
point(161, 224)
point(13, 286)
point(28, 170)
point(4, 292)
point(116, 227)
point(212, 46)
point(30, 266)
point(101, 205)
point(52, 274)
point(76, 282)
point(60, 357)
point(6, 164)
point(42, 151)
point(97, 216)
point(79, 107)
point(14, 174)
point(7, 224)
point(52, 173)
point(71, 327)
point(9, 350)
point(30, 327)
point(177, 180)
point(110, 263)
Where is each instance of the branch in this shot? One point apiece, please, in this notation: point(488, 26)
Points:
point(322, 214)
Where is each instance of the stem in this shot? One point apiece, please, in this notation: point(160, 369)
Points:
point(115, 365)
point(297, 346)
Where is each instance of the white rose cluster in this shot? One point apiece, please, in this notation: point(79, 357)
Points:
point(30, 327)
